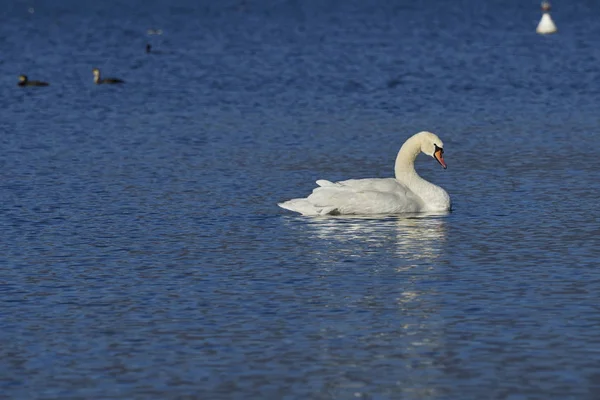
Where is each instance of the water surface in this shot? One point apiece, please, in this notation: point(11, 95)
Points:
point(143, 252)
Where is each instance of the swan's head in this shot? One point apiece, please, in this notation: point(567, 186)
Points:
point(545, 6)
point(433, 146)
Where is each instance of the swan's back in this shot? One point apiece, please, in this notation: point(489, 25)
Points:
point(357, 196)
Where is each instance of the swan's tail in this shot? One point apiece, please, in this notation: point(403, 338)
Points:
point(301, 206)
point(305, 207)
point(326, 183)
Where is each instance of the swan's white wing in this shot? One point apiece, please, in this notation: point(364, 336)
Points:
point(364, 196)
point(383, 185)
point(357, 196)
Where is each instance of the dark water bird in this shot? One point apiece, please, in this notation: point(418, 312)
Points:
point(98, 80)
point(150, 50)
point(24, 81)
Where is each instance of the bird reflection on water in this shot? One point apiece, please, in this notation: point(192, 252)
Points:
point(414, 237)
point(390, 266)
point(413, 246)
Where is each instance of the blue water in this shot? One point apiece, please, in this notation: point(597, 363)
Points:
point(142, 251)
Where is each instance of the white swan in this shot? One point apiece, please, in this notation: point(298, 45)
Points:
point(407, 193)
point(546, 24)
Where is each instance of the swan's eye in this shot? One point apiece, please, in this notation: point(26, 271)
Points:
point(437, 148)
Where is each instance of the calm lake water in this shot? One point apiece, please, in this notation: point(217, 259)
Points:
point(142, 251)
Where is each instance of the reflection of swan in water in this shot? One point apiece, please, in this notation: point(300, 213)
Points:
point(395, 262)
point(417, 238)
point(411, 246)
point(420, 238)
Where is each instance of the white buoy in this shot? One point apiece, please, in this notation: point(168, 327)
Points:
point(546, 24)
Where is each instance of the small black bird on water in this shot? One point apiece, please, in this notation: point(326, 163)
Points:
point(149, 50)
point(23, 81)
point(99, 81)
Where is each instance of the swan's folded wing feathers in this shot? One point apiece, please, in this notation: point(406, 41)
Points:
point(365, 197)
point(357, 196)
point(374, 202)
point(374, 184)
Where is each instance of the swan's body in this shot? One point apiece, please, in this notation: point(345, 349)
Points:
point(406, 193)
point(546, 24)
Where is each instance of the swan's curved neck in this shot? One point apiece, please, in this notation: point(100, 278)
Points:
point(434, 197)
point(405, 161)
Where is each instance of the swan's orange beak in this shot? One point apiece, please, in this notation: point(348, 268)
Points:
point(439, 156)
